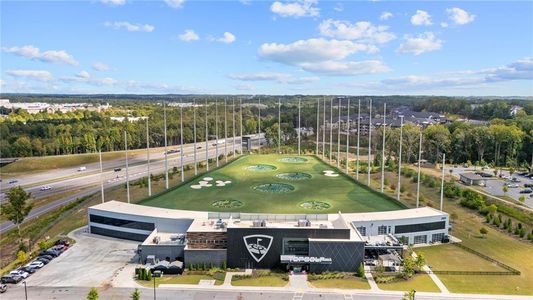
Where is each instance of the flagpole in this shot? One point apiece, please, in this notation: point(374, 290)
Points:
point(369, 142)
point(148, 158)
point(194, 133)
point(383, 148)
point(339, 134)
point(206, 140)
point(127, 167)
point(347, 134)
point(181, 143)
point(418, 176)
point(101, 177)
point(400, 160)
point(317, 124)
point(358, 137)
point(166, 143)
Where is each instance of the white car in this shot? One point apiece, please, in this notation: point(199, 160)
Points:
point(513, 185)
point(46, 188)
point(35, 264)
point(19, 273)
point(81, 169)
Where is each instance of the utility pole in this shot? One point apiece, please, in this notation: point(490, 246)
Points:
point(383, 148)
point(369, 142)
point(330, 130)
point(347, 135)
point(194, 133)
point(216, 129)
point(418, 176)
point(358, 138)
point(225, 131)
point(166, 143)
point(339, 134)
point(101, 177)
point(400, 160)
point(279, 125)
point(299, 126)
point(206, 139)
point(233, 117)
point(324, 130)
point(181, 142)
point(317, 124)
point(442, 181)
point(127, 167)
point(148, 158)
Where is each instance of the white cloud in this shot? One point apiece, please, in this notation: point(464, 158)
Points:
point(296, 9)
point(188, 36)
point(459, 16)
point(244, 87)
point(130, 26)
point(419, 44)
point(227, 38)
point(175, 3)
point(83, 75)
point(385, 15)
point(39, 75)
point(113, 2)
point(421, 18)
point(323, 56)
point(273, 76)
point(444, 25)
point(53, 56)
point(363, 31)
point(100, 66)
point(338, 7)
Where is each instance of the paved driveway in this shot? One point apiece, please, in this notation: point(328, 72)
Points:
point(93, 261)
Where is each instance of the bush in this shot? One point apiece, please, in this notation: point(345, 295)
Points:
point(361, 270)
point(472, 200)
point(93, 294)
point(136, 295)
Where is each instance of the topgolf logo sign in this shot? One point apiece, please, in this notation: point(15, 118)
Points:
point(258, 245)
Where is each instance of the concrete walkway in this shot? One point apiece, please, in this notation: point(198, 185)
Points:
point(373, 285)
point(229, 275)
point(433, 277)
point(298, 282)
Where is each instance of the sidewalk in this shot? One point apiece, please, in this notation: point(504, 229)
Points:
point(373, 285)
point(434, 277)
point(229, 275)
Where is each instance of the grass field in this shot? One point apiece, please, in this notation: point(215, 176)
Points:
point(419, 282)
point(453, 258)
point(334, 194)
point(268, 280)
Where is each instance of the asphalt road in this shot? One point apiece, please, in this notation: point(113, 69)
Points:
point(91, 181)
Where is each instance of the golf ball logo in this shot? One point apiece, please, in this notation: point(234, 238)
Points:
point(258, 245)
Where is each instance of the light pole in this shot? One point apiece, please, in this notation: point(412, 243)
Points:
point(330, 129)
point(324, 130)
point(299, 126)
point(279, 125)
point(358, 138)
point(194, 138)
point(166, 150)
point(233, 117)
point(101, 177)
point(442, 180)
point(148, 158)
point(240, 113)
point(400, 160)
point(339, 134)
point(154, 288)
point(383, 148)
point(418, 175)
point(127, 167)
point(347, 133)
point(259, 125)
point(206, 139)
point(216, 130)
point(25, 290)
point(317, 124)
point(181, 143)
point(225, 131)
point(369, 141)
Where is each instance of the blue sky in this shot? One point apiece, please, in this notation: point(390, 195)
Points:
point(268, 47)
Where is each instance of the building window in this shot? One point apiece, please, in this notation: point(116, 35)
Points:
point(121, 223)
point(437, 237)
point(420, 239)
point(119, 234)
point(382, 230)
point(419, 227)
point(362, 230)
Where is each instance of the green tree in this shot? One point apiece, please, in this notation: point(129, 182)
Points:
point(93, 294)
point(505, 189)
point(408, 269)
point(22, 256)
point(420, 260)
point(409, 295)
point(16, 208)
point(136, 295)
point(361, 270)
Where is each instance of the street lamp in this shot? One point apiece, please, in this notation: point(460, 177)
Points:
point(154, 287)
point(25, 290)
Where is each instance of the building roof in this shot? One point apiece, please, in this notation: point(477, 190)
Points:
point(136, 209)
point(471, 176)
point(394, 214)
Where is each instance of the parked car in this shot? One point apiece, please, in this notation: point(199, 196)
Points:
point(117, 169)
point(19, 273)
point(28, 269)
point(63, 242)
point(43, 259)
point(81, 169)
point(3, 288)
point(36, 264)
point(483, 174)
point(526, 191)
point(514, 179)
point(50, 252)
point(46, 188)
point(10, 279)
point(528, 185)
point(12, 181)
point(512, 185)
point(59, 248)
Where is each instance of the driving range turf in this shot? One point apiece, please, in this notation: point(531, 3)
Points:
point(250, 173)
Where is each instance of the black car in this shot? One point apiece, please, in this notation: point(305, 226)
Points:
point(44, 259)
point(28, 270)
point(50, 252)
point(59, 248)
point(526, 191)
point(528, 185)
point(486, 175)
point(11, 279)
point(117, 169)
point(63, 242)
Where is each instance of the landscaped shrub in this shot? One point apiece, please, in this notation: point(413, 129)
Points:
point(361, 270)
point(472, 200)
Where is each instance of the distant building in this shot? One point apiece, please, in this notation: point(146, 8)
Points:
point(471, 179)
point(37, 107)
point(515, 109)
point(129, 118)
point(305, 131)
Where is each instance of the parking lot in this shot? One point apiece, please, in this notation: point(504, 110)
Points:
point(91, 261)
point(494, 185)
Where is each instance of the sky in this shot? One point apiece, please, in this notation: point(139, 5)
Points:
point(456, 48)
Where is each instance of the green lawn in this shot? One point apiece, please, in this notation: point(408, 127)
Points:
point(453, 258)
point(419, 282)
point(341, 193)
point(267, 280)
point(344, 283)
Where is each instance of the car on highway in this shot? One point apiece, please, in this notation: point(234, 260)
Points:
point(11, 279)
point(12, 181)
point(19, 273)
point(81, 169)
point(46, 188)
point(172, 151)
point(117, 169)
point(526, 191)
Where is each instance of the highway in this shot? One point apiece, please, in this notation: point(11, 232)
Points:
point(89, 180)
